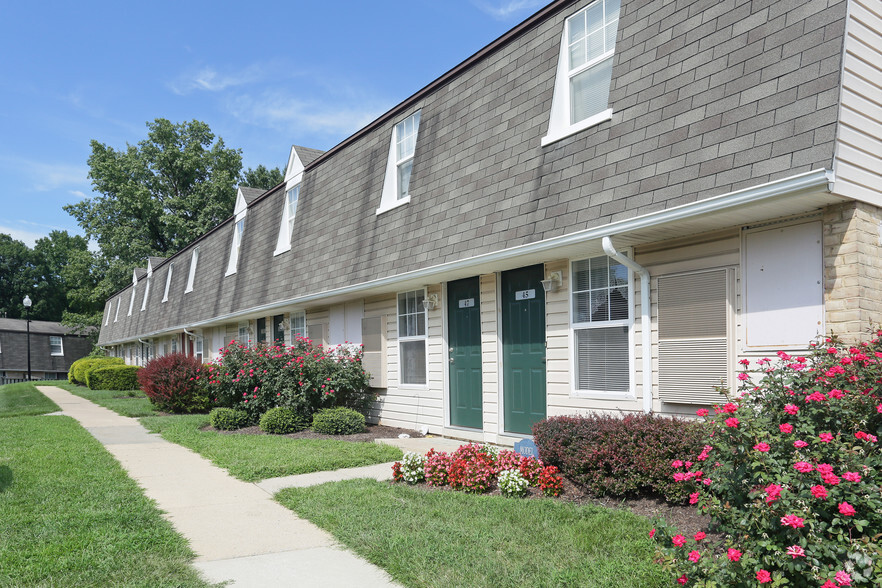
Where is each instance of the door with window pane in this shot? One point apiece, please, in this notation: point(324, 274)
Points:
point(523, 348)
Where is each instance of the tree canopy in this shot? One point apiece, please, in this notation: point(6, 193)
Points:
point(263, 178)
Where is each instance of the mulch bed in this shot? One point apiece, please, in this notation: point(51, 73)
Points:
point(686, 519)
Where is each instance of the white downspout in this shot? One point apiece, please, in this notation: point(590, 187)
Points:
point(645, 318)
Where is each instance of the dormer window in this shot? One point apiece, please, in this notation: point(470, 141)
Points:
point(238, 232)
point(146, 293)
point(118, 304)
point(132, 299)
point(109, 311)
point(168, 277)
point(584, 70)
point(292, 197)
point(194, 259)
point(396, 186)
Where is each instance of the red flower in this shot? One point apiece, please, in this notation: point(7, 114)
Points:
point(851, 476)
point(703, 412)
point(826, 437)
point(786, 428)
point(700, 535)
point(792, 521)
point(762, 447)
point(678, 540)
point(819, 492)
point(791, 409)
point(847, 510)
point(799, 443)
point(652, 534)
point(732, 422)
point(804, 467)
point(682, 579)
point(733, 554)
point(843, 579)
point(763, 577)
point(795, 551)
point(694, 556)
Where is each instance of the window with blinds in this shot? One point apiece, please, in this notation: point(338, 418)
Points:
point(601, 310)
point(693, 336)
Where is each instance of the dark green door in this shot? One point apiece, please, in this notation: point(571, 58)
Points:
point(464, 353)
point(523, 348)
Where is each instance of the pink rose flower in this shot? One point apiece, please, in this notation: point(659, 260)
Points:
point(652, 534)
point(791, 409)
point(792, 521)
point(742, 376)
point(764, 577)
point(795, 551)
point(804, 467)
point(694, 556)
point(693, 498)
point(830, 479)
point(682, 579)
point(847, 510)
point(824, 468)
point(678, 540)
point(799, 444)
point(851, 476)
point(700, 535)
point(843, 579)
point(828, 584)
point(732, 422)
point(774, 493)
point(785, 428)
point(819, 492)
point(702, 412)
point(762, 447)
point(677, 464)
point(826, 437)
point(733, 554)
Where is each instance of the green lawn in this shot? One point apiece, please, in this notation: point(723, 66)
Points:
point(257, 457)
point(24, 399)
point(446, 538)
point(130, 403)
point(70, 516)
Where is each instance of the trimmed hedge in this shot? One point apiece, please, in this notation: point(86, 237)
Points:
point(338, 421)
point(281, 420)
point(228, 419)
point(175, 383)
point(113, 377)
point(615, 456)
point(78, 369)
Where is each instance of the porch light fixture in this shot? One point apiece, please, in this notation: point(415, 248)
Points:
point(552, 282)
point(431, 303)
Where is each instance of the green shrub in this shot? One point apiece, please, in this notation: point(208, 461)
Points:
point(338, 421)
point(303, 377)
point(175, 383)
point(113, 377)
point(78, 369)
point(281, 420)
point(614, 456)
point(228, 419)
point(790, 475)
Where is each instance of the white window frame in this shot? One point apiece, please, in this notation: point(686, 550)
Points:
point(560, 124)
point(198, 347)
point(410, 338)
point(109, 312)
point(238, 234)
point(289, 214)
point(243, 336)
point(297, 316)
point(132, 299)
point(118, 304)
point(168, 277)
point(390, 198)
point(60, 344)
point(174, 343)
point(191, 276)
point(630, 394)
point(146, 293)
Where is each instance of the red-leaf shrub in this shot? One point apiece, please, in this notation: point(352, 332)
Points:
point(175, 383)
point(616, 456)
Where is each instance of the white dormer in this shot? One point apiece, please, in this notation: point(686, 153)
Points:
point(293, 177)
point(240, 211)
point(147, 287)
point(134, 291)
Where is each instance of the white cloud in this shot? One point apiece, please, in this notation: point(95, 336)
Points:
point(29, 238)
point(506, 10)
point(77, 193)
point(44, 176)
point(274, 109)
point(210, 79)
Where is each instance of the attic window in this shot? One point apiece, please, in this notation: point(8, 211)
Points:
point(194, 259)
point(146, 293)
point(396, 185)
point(584, 70)
point(118, 304)
point(168, 278)
point(238, 232)
point(132, 299)
point(289, 213)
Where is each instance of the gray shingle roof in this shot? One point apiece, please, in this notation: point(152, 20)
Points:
point(306, 154)
point(45, 327)
point(250, 194)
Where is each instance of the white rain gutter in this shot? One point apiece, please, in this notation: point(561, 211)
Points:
point(140, 340)
point(645, 318)
point(186, 332)
point(814, 179)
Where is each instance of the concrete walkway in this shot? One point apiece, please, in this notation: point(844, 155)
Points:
point(239, 533)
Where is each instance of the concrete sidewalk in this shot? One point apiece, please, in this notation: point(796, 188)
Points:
point(239, 533)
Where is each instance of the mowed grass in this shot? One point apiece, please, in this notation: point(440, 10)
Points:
point(129, 403)
point(24, 399)
point(445, 538)
point(70, 516)
point(257, 457)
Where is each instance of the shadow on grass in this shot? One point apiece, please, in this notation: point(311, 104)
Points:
point(5, 477)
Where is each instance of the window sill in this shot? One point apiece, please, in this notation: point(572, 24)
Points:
point(188, 291)
point(228, 274)
point(392, 205)
point(56, 355)
point(555, 135)
point(281, 251)
point(602, 395)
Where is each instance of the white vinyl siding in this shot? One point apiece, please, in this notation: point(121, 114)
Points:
point(601, 322)
point(399, 166)
point(412, 337)
point(693, 336)
point(584, 70)
point(191, 276)
point(56, 346)
point(168, 278)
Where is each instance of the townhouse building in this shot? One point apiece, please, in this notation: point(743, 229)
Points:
point(605, 209)
point(53, 348)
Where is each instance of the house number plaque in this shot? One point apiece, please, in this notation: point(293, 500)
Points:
point(525, 294)
point(467, 303)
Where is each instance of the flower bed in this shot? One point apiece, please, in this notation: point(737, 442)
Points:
point(790, 475)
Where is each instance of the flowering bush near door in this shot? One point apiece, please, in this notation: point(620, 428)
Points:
point(303, 377)
point(791, 474)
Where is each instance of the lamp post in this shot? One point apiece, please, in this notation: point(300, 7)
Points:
point(27, 304)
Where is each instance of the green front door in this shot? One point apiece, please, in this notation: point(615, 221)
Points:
point(523, 348)
point(464, 353)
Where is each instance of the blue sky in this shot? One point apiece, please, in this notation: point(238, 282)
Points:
point(264, 76)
